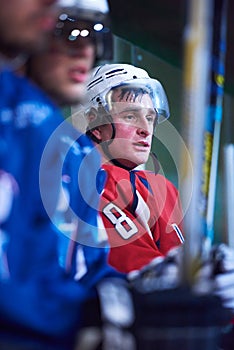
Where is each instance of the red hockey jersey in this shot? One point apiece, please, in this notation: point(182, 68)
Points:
point(142, 216)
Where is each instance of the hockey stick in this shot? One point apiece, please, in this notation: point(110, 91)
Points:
point(197, 53)
point(228, 151)
point(229, 191)
point(213, 120)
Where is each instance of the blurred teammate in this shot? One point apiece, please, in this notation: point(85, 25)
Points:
point(40, 266)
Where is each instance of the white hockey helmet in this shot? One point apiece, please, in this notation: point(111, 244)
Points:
point(96, 12)
point(109, 76)
point(98, 6)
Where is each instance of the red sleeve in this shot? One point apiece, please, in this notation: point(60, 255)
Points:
point(170, 221)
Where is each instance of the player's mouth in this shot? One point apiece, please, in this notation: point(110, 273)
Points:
point(142, 144)
point(78, 74)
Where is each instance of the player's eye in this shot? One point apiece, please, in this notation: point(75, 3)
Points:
point(130, 117)
point(150, 119)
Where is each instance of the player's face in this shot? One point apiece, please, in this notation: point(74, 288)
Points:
point(134, 120)
point(63, 70)
point(24, 24)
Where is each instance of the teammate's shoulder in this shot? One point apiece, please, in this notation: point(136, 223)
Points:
point(9, 83)
point(24, 104)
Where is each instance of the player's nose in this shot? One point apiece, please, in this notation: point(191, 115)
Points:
point(143, 132)
point(143, 127)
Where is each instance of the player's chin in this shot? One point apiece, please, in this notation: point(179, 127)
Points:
point(142, 157)
point(77, 91)
point(140, 160)
point(72, 95)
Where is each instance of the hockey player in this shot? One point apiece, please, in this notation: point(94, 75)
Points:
point(140, 209)
point(40, 300)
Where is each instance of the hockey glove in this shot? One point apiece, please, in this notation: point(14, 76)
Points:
point(162, 273)
point(217, 275)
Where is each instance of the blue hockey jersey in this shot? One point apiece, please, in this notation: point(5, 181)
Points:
point(43, 159)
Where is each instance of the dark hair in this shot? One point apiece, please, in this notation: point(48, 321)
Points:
point(127, 91)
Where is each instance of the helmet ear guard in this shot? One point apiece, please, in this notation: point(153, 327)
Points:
point(88, 5)
point(97, 118)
